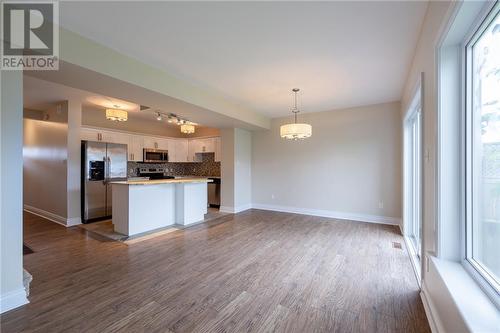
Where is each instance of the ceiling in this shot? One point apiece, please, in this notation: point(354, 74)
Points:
point(341, 54)
point(41, 95)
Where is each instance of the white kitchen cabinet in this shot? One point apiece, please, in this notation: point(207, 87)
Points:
point(206, 145)
point(197, 146)
point(155, 143)
point(192, 149)
point(135, 148)
point(181, 150)
point(90, 134)
point(115, 137)
point(218, 149)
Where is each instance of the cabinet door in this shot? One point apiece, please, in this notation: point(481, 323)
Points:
point(206, 145)
point(135, 146)
point(181, 151)
point(87, 134)
point(150, 142)
point(162, 144)
point(194, 146)
point(218, 149)
point(171, 151)
point(115, 137)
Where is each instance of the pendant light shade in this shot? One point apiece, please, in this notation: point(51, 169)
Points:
point(295, 131)
point(187, 129)
point(116, 115)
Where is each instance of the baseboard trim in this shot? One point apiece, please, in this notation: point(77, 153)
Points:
point(70, 222)
point(413, 260)
point(13, 299)
point(73, 221)
point(331, 214)
point(234, 210)
point(430, 311)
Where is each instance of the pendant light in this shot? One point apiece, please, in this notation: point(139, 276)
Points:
point(187, 129)
point(116, 114)
point(296, 130)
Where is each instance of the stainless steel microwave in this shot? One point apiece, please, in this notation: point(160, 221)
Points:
point(155, 155)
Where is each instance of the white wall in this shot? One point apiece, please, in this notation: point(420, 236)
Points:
point(242, 169)
point(227, 169)
point(12, 293)
point(73, 172)
point(350, 167)
point(236, 172)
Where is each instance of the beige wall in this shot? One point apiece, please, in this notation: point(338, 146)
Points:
point(96, 118)
point(52, 162)
point(351, 164)
point(44, 171)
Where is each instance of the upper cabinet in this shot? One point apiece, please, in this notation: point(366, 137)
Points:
point(218, 149)
point(198, 146)
point(179, 150)
point(156, 143)
point(135, 148)
point(91, 134)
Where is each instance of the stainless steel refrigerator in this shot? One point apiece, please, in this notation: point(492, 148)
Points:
point(102, 163)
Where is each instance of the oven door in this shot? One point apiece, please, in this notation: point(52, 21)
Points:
point(155, 156)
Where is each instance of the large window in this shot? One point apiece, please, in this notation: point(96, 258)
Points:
point(482, 157)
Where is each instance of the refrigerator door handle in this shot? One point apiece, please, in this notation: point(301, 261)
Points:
point(105, 180)
point(109, 168)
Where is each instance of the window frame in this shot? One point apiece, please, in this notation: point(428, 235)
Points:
point(485, 280)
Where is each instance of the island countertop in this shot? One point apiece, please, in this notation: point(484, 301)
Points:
point(164, 181)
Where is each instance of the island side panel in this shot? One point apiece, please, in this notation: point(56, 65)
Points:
point(191, 202)
point(120, 208)
point(151, 207)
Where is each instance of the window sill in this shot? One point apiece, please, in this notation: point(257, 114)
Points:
point(475, 308)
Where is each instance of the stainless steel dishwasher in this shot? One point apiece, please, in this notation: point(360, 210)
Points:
point(214, 192)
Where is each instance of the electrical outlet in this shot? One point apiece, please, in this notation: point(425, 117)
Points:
point(381, 204)
point(272, 196)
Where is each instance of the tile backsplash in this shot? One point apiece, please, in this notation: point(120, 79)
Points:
point(208, 167)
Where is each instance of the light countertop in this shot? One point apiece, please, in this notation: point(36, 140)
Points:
point(164, 181)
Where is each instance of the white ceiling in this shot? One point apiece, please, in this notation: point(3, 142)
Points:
point(341, 54)
point(40, 95)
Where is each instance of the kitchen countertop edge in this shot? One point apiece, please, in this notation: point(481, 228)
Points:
point(162, 181)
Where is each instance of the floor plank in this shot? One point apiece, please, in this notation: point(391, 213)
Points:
point(256, 271)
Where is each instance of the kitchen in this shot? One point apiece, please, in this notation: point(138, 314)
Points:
point(121, 143)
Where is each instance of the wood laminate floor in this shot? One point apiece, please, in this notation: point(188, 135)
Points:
point(256, 271)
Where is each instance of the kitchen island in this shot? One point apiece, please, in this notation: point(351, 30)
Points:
point(140, 206)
